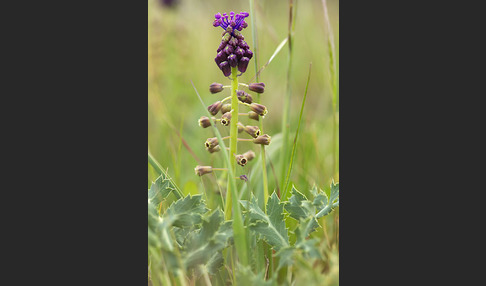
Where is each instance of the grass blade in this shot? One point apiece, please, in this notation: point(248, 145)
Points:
point(296, 135)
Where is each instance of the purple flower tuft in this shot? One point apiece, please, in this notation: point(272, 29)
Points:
point(236, 21)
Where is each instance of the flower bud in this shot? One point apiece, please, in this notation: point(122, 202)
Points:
point(238, 35)
point(215, 87)
point(262, 139)
point(211, 143)
point(215, 107)
point(244, 97)
point(243, 64)
point(258, 109)
point(239, 52)
point(244, 178)
point(202, 170)
point(214, 149)
point(225, 68)
point(226, 118)
point(248, 53)
point(254, 131)
point(226, 108)
point(228, 49)
point(221, 45)
point(241, 160)
point(204, 122)
point(233, 41)
point(242, 44)
point(253, 115)
point(220, 57)
point(226, 38)
point(258, 87)
point(232, 60)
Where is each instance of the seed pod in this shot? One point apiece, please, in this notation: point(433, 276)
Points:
point(202, 170)
point(253, 115)
point(241, 160)
point(243, 64)
point(258, 87)
point(225, 68)
point(226, 108)
point(215, 87)
point(232, 60)
point(262, 139)
point(214, 149)
point(204, 122)
point(258, 109)
point(249, 155)
point(254, 131)
point(226, 119)
point(215, 107)
point(211, 143)
point(244, 97)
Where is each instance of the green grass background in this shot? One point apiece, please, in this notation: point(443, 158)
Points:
point(182, 45)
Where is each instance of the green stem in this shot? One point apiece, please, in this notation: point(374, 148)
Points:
point(233, 139)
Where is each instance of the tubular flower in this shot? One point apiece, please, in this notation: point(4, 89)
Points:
point(202, 170)
point(233, 51)
point(211, 143)
point(262, 139)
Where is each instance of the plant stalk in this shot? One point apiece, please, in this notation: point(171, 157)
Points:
point(233, 140)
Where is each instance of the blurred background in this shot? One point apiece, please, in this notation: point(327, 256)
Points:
point(182, 45)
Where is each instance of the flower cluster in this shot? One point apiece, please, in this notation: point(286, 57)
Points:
point(233, 51)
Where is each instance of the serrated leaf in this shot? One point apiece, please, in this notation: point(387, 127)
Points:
point(334, 192)
point(272, 226)
point(186, 212)
point(160, 189)
point(295, 205)
point(305, 228)
point(330, 204)
point(208, 241)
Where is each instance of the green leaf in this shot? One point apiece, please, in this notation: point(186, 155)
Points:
point(272, 226)
point(330, 204)
point(202, 248)
point(159, 190)
point(245, 276)
point(295, 205)
point(285, 256)
point(186, 212)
